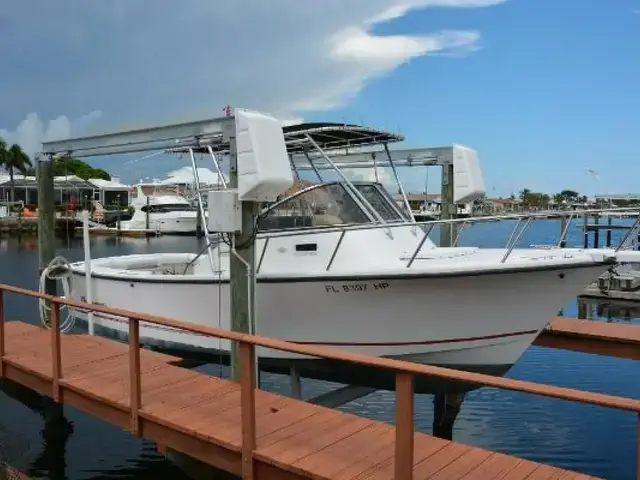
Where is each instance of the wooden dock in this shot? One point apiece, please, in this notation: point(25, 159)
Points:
point(115, 232)
point(591, 336)
point(247, 431)
point(592, 227)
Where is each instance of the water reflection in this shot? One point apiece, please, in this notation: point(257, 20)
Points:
point(613, 311)
point(55, 432)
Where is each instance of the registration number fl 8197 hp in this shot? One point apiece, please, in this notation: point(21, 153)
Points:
point(356, 287)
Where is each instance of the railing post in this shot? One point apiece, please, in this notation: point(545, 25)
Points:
point(638, 446)
point(458, 233)
point(420, 245)
point(335, 250)
point(404, 427)
point(517, 239)
point(56, 355)
point(2, 352)
point(264, 250)
point(135, 393)
point(248, 409)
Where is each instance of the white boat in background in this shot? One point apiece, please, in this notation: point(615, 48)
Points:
point(167, 214)
point(340, 264)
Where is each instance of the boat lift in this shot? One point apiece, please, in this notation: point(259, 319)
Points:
point(308, 147)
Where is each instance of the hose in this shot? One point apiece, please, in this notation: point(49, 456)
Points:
point(58, 269)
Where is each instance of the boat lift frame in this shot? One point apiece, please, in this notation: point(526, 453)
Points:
point(217, 136)
point(307, 146)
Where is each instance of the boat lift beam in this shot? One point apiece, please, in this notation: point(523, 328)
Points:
point(414, 157)
point(189, 134)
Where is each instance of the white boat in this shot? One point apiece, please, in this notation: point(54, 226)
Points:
point(340, 264)
point(168, 214)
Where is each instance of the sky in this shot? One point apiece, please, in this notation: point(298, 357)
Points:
point(543, 89)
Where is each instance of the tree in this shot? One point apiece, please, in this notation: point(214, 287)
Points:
point(4, 152)
point(534, 199)
point(79, 168)
point(66, 166)
point(14, 160)
point(569, 195)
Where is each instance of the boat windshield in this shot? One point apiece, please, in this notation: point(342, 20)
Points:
point(381, 201)
point(327, 205)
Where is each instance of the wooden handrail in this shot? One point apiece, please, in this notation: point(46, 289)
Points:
point(563, 393)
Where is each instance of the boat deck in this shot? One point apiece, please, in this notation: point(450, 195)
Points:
point(202, 416)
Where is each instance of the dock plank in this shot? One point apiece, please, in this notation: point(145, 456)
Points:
point(294, 438)
point(591, 336)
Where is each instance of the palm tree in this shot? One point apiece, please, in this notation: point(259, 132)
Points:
point(12, 160)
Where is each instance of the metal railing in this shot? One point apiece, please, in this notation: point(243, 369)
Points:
point(524, 221)
point(404, 372)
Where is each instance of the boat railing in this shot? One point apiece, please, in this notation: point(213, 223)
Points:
point(457, 225)
point(405, 373)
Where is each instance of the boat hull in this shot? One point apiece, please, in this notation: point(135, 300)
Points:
point(166, 224)
point(476, 322)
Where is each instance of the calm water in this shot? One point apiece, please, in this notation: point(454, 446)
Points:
point(593, 440)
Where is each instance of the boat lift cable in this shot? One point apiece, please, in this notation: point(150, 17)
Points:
point(58, 269)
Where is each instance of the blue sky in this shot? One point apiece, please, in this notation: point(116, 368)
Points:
point(544, 90)
point(554, 90)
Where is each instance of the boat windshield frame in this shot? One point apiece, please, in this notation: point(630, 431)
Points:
point(360, 213)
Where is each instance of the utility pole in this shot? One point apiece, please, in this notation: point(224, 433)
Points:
point(242, 262)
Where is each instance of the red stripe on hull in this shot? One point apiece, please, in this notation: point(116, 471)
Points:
point(424, 342)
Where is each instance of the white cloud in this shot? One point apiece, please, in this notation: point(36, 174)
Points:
point(182, 60)
point(399, 9)
point(31, 132)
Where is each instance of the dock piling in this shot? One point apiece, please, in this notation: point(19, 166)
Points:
point(446, 407)
point(241, 262)
point(46, 218)
point(118, 215)
point(296, 385)
point(448, 208)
